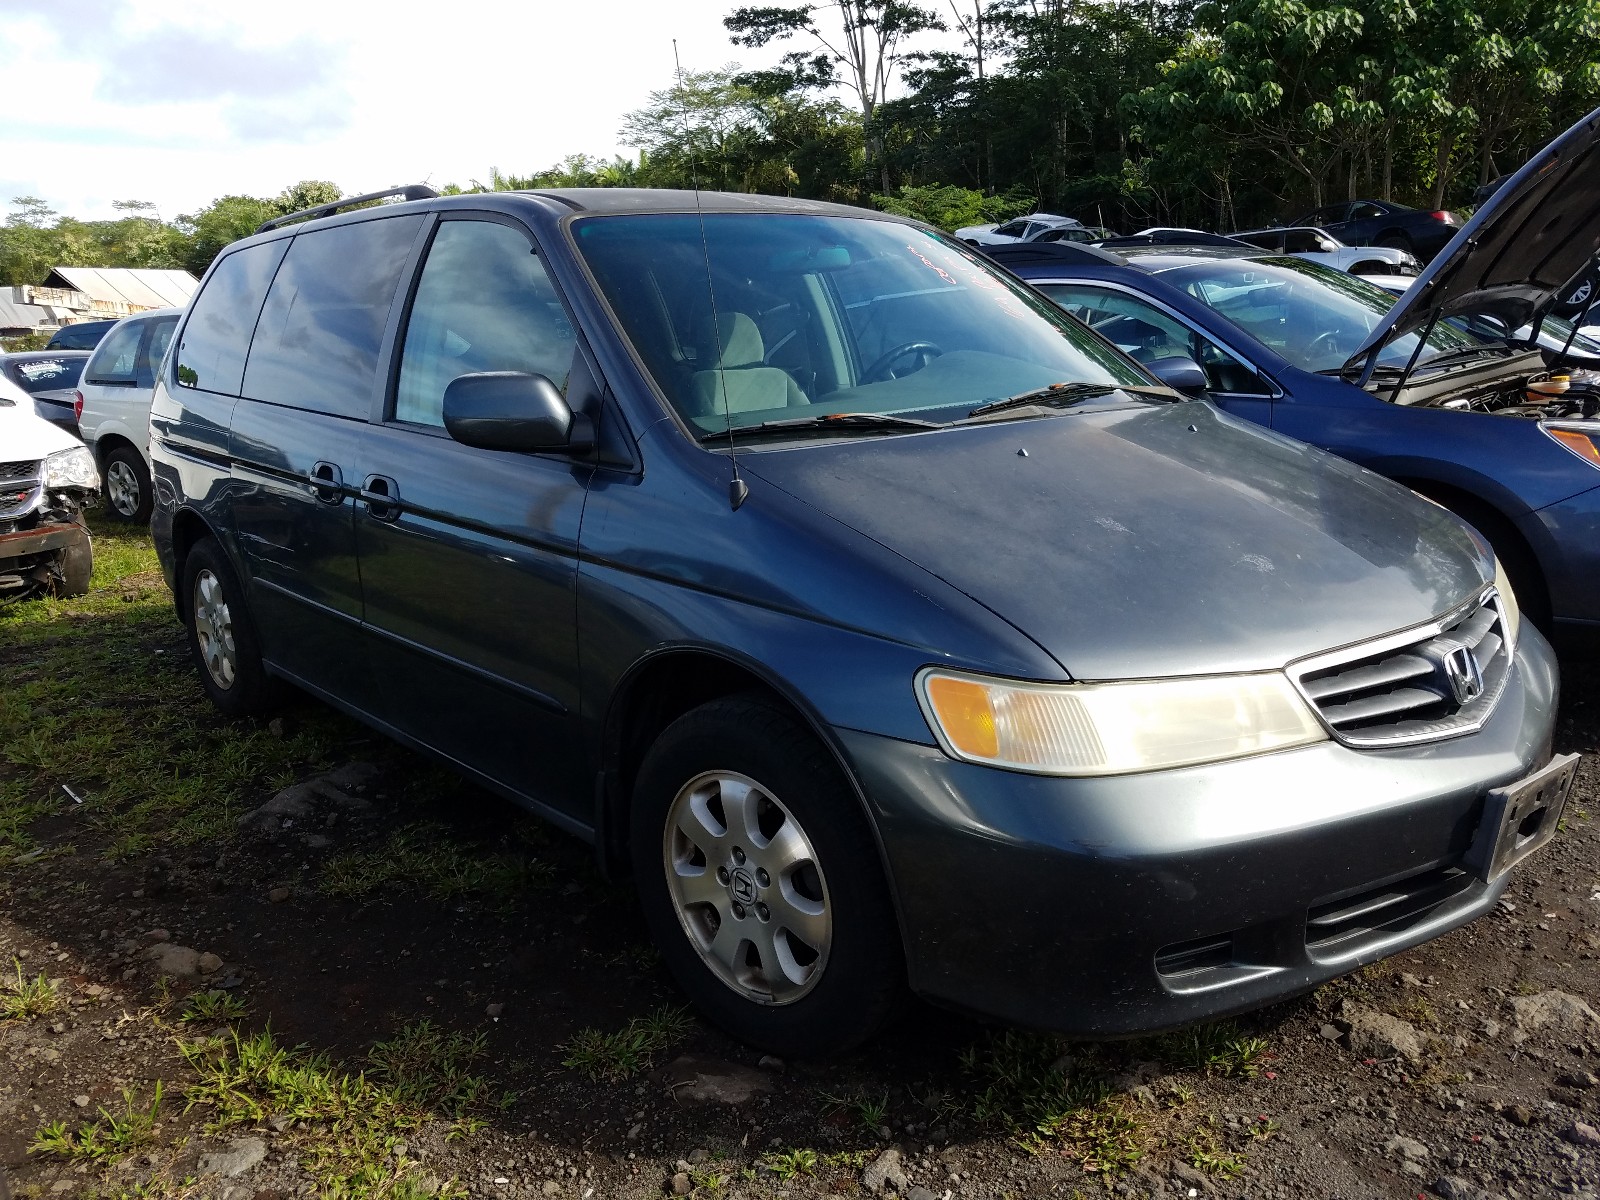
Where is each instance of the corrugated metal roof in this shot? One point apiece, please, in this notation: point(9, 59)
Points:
point(142, 287)
point(21, 316)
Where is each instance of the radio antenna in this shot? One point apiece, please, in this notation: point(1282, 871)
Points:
point(738, 490)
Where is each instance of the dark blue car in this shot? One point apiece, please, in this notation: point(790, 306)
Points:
point(1501, 430)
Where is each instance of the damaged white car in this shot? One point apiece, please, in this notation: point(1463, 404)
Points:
point(47, 479)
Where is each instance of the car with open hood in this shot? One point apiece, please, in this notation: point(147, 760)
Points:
point(47, 479)
point(1467, 387)
point(885, 625)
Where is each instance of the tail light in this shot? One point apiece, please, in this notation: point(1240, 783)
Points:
point(77, 406)
point(1449, 218)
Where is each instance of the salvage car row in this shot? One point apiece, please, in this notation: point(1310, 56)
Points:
point(891, 627)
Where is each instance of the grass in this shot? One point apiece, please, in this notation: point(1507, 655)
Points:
point(424, 856)
point(869, 1113)
point(101, 698)
point(1215, 1049)
point(112, 1135)
point(790, 1164)
point(347, 1126)
point(213, 1006)
point(23, 999)
point(626, 1052)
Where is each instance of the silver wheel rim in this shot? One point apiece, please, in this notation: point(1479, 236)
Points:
point(213, 629)
point(747, 887)
point(122, 485)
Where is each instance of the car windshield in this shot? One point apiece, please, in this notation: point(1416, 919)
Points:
point(765, 317)
point(44, 374)
point(1313, 316)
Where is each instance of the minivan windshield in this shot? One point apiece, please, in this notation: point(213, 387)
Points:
point(765, 317)
point(1312, 316)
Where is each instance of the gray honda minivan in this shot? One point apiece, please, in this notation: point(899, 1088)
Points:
point(889, 627)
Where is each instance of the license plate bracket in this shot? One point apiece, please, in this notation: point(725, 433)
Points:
point(1521, 817)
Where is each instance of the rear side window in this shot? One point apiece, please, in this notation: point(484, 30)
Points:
point(155, 346)
point(216, 337)
point(115, 359)
point(316, 346)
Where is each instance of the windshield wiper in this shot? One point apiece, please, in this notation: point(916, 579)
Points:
point(1067, 393)
point(827, 423)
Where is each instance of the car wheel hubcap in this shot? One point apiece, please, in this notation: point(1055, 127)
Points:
point(213, 629)
point(123, 485)
point(747, 887)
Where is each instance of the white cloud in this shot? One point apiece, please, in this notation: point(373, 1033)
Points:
point(181, 101)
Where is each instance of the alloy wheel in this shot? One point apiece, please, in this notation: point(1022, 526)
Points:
point(213, 630)
point(122, 488)
point(747, 888)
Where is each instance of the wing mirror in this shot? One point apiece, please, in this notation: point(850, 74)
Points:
point(1180, 373)
point(510, 410)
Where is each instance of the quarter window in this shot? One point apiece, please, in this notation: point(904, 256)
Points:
point(484, 303)
point(317, 344)
point(1146, 333)
point(216, 337)
point(116, 358)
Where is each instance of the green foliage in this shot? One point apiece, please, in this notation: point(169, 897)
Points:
point(111, 1136)
point(624, 1053)
point(949, 207)
point(22, 999)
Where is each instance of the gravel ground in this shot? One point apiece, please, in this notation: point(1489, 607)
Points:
point(384, 983)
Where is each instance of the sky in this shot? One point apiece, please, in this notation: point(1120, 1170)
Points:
point(181, 101)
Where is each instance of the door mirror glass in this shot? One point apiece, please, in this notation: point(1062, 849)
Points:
point(1180, 373)
point(513, 410)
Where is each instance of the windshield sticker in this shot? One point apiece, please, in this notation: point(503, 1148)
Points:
point(976, 278)
point(42, 368)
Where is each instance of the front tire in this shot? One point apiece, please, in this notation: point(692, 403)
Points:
point(221, 635)
point(761, 882)
point(127, 488)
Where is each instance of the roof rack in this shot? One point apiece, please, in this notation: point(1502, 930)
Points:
point(412, 191)
point(1019, 254)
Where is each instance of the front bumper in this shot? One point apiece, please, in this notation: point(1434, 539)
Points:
point(1125, 905)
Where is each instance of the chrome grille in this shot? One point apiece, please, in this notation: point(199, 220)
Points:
point(19, 487)
point(1437, 681)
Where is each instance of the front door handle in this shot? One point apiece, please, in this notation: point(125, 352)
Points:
point(327, 482)
point(381, 495)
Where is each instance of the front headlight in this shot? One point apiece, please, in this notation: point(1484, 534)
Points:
point(1113, 728)
point(72, 468)
point(1508, 605)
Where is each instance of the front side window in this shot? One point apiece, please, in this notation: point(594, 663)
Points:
point(484, 303)
point(1146, 332)
point(116, 358)
point(316, 346)
point(1312, 316)
point(774, 316)
point(216, 337)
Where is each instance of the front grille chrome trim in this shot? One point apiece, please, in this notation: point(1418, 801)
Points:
point(1345, 687)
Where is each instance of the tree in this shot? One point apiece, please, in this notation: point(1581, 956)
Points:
point(308, 193)
point(867, 47)
point(224, 220)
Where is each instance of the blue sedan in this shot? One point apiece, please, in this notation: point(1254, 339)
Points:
point(1480, 425)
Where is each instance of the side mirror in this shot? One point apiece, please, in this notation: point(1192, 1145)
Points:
point(510, 410)
point(1180, 373)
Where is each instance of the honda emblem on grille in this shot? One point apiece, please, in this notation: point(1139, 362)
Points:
point(1465, 675)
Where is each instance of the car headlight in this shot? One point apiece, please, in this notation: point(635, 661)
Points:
point(1508, 605)
point(1113, 728)
point(72, 468)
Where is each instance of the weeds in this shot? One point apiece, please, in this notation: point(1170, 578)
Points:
point(1214, 1049)
point(427, 1067)
point(788, 1164)
point(213, 1006)
point(626, 1052)
point(1206, 1154)
point(870, 1114)
point(426, 857)
point(112, 1136)
point(25, 999)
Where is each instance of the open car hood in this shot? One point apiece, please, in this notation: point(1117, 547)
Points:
point(1519, 253)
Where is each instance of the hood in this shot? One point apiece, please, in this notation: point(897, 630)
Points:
point(1147, 540)
point(23, 434)
point(1522, 250)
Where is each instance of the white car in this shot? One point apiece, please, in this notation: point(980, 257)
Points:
point(47, 476)
point(114, 416)
point(1317, 245)
point(1022, 229)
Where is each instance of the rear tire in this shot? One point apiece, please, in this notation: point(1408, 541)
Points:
point(126, 483)
point(1396, 241)
point(761, 882)
point(221, 634)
